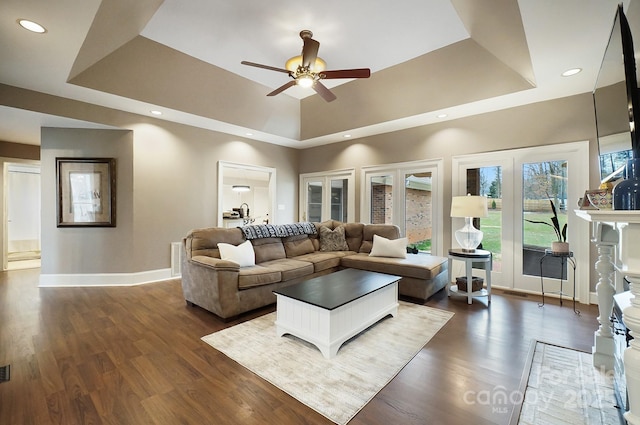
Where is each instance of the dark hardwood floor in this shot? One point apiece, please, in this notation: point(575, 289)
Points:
point(133, 355)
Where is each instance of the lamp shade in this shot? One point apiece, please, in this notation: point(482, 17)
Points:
point(469, 206)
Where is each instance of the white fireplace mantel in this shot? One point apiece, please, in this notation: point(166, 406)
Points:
point(616, 235)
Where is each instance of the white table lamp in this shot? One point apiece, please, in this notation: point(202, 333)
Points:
point(469, 207)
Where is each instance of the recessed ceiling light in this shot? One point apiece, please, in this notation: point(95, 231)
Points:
point(32, 26)
point(249, 134)
point(441, 116)
point(346, 136)
point(572, 71)
point(156, 112)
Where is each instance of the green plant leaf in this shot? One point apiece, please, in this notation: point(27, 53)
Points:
point(561, 234)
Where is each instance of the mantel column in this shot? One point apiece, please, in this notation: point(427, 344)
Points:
point(631, 359)
point(630, 259)
point(605, 239)
point(603, 337)
point(621, 228)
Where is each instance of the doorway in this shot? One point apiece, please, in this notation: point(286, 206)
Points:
point(519, 184)
point(22, 230)
point(254, 202)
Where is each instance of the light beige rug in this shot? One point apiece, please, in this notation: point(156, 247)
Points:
point(564, 388)
point(337, 388)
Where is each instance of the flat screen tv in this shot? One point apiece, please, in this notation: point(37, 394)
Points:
point(616, 99)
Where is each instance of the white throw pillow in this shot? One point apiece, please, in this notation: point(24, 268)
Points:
point(242, 254)
point(394, 248)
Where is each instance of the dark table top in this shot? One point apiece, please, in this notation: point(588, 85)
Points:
point(478, 253)
point(336, 289)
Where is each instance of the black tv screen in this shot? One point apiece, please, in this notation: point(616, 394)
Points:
point(616, 99)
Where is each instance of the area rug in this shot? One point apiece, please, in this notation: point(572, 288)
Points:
point(337, 388)
point(563, 387)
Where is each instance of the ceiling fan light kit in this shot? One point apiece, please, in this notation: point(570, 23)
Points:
point(308, 69)
point(296, 61)
point(305, 81)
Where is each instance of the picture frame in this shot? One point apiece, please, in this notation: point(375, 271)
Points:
point(86, 192)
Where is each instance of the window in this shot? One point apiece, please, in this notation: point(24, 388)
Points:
point(327, 195)
point(407, 195)
point(487, 181)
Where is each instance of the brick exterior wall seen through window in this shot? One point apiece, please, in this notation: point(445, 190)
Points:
point(418, 209)
point(418, 212)
point(381, 204)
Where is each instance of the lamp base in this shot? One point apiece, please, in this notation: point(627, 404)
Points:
point(468, 237)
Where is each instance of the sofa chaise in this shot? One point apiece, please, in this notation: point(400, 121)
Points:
point(288, 254)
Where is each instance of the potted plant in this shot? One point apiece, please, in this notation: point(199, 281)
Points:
point(561, 245)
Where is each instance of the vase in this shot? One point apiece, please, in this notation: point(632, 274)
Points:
point(626, 194)
point(560, 247)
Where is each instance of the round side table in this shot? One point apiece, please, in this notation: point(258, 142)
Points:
point(476, 259)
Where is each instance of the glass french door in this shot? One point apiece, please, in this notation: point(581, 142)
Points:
point(327, 196)
point(418, 209)
point(544, 211)
point(487, 181)
point(489, 175)
point(407, 195)
point(519, 185)
point(557, 176)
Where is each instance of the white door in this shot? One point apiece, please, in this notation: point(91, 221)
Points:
point(527, 176)
point(23, 213)
point(490, 176)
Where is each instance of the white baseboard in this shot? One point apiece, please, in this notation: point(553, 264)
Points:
point(104, 279)
point(593, 297)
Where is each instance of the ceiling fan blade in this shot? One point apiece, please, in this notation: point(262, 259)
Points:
point(271, 68)
point(347, 73)
point(309, 51)
point(324, 92)
point(282, 88)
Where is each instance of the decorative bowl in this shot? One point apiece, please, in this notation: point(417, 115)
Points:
point(600, 198)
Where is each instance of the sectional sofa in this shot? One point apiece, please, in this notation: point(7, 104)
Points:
point(288, 254)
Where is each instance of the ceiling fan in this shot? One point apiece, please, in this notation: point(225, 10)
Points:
point(308, 69)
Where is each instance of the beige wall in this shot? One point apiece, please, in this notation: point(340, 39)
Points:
point(68, 250)
point(19, 150)
point(562, 120)
point(167, 183)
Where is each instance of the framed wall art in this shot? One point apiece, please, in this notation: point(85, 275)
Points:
point(86, 192)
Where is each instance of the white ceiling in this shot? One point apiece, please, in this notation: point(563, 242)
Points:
point(268, 33)
point(376, 34)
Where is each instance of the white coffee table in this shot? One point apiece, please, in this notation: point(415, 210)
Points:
point(328, 310)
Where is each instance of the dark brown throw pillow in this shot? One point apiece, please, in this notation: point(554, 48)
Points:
point(332, 240)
